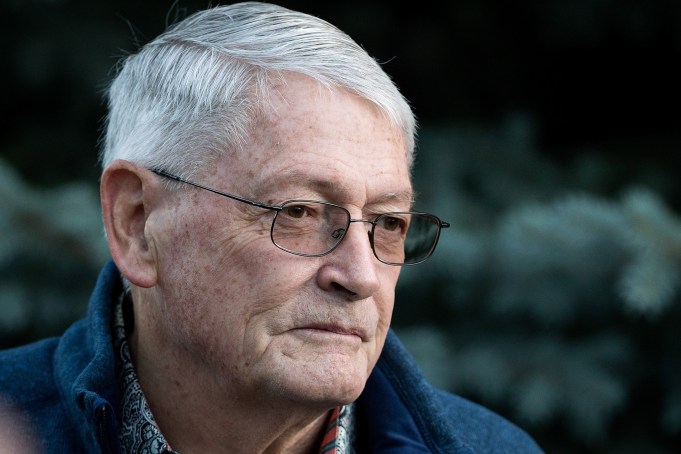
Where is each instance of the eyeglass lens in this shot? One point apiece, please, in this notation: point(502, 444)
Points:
point(316, 228)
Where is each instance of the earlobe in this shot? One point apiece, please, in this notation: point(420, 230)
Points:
point(127, 196)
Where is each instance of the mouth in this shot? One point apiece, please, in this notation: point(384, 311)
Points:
point(334, 330)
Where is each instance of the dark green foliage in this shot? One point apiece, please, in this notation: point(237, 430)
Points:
point(555, 306)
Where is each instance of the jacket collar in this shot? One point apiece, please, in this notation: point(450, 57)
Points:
point(84, 363)
point(403, 409)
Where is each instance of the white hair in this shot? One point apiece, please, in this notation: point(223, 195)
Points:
point(191, 93)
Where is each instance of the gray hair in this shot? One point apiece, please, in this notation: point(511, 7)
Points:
point(191, 93)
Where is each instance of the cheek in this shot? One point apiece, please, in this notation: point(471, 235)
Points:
point(387, 293)
point(208, 241)
point(385, 306)
point(229, 276)
point(385, 302)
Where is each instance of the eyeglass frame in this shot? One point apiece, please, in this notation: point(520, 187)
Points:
point(441, 224)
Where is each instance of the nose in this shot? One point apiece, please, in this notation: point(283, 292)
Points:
point(352, 267)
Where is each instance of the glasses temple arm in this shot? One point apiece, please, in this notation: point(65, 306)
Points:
point(215, 191)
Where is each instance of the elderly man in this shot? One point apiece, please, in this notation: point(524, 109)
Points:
point(257, 201)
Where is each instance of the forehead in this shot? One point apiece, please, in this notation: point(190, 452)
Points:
point(329, 141)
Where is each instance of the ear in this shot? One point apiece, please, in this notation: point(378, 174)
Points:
point(128, 193)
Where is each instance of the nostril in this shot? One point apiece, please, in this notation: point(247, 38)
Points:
point(341, 289)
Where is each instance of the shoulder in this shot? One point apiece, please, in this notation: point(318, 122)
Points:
point(483, 429)
point(445, 420)
point(36, 393)
point(26, 372)
point(29, 397)
point(22, 367)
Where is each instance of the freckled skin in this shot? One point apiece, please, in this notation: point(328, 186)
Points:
point(231, 316)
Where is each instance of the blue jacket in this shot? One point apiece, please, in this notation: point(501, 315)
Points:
point(66, 389)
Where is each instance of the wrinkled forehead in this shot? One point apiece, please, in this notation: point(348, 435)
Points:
point(308, 132)
point(294, 106)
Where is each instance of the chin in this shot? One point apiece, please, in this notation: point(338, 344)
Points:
point(329, 396)
point(338, 384)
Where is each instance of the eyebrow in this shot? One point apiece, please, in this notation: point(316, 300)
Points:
point(326, 187)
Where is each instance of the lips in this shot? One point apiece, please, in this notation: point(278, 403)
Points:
point(338, 329)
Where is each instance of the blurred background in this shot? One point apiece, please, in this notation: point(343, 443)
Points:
point(549, 139)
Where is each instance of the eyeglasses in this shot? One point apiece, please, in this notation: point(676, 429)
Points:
point(311, 228)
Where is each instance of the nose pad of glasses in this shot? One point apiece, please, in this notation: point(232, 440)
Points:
point(337, 233)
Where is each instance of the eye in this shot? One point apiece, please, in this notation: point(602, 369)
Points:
point(294, 211)
point(392, 223)
point(303, 209)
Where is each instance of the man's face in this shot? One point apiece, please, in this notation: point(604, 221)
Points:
point(260, 321)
